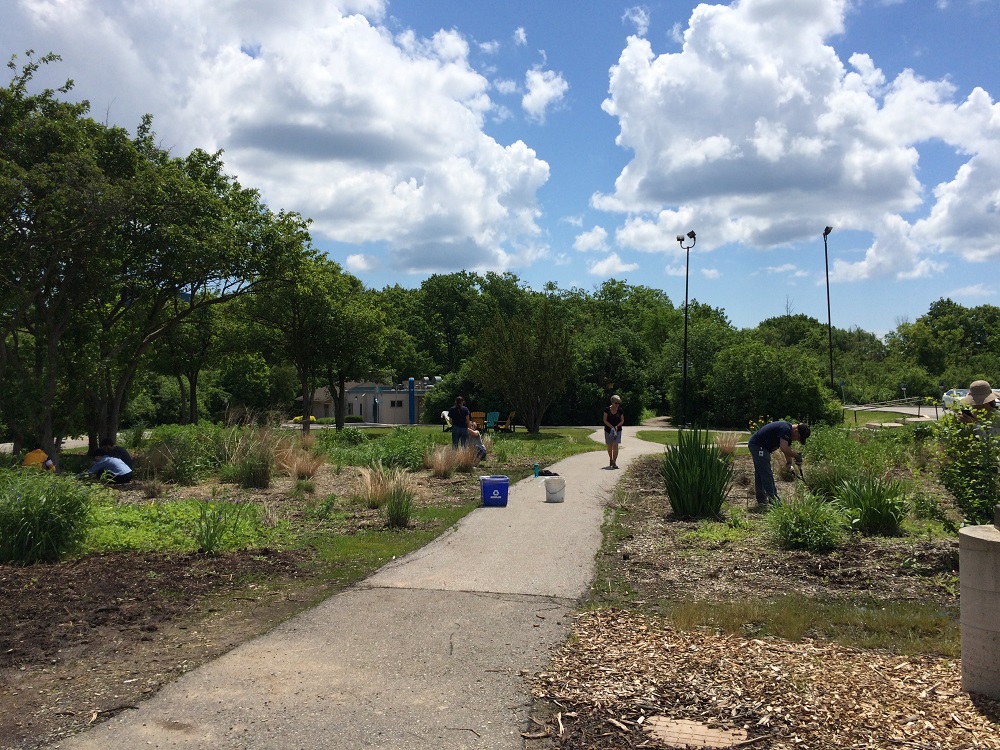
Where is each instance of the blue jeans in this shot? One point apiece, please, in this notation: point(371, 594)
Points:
point(763, 474)
point(459, 436)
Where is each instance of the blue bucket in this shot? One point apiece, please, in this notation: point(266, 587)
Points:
point(494, 490)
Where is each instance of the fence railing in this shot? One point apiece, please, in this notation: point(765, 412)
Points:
point(918, 401)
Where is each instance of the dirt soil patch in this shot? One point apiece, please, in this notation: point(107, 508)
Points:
point(626, 667)
point(83, 640)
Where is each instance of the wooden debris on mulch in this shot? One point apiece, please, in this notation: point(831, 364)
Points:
point(628, 668)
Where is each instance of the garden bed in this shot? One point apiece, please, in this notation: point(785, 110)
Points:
point(680, 626)
point(88, 638)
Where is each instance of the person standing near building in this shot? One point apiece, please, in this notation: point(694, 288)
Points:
point(768, 439)
point(614, 421)
point(459, 415)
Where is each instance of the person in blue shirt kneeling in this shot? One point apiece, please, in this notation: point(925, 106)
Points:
point(108, 468)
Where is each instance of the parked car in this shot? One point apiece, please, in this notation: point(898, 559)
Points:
point(955, 396)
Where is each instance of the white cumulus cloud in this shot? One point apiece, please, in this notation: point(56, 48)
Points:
point(638, 16)
point(595, 239)
point(611, 266)
point(544, 89)
point(762, 143)
point(376, 135)
point(359, 263)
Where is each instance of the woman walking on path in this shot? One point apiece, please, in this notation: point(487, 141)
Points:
point(614, 420)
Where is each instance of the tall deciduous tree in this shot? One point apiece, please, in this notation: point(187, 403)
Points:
point(355, 345)
point(529, 360)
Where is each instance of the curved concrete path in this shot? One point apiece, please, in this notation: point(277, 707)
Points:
point(428, 652)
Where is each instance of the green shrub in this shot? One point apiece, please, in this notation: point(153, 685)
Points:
point(696, 475)
point(42, 516)
point(135, 437)
point(398, 507)
point(806, 522)
point(403, 447)
point(329, 440)
point(184, 453)
point(256, 467)
point(857, 451)
point(824, 477)
point(873, 505)
point(968, 466)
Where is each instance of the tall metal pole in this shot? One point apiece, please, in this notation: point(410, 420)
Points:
point(687, 264)
point(829, 320)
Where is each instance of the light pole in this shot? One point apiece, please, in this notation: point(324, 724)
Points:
point(687, 262)
point(829, 323)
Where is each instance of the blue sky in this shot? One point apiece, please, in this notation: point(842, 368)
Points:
point(571, 141)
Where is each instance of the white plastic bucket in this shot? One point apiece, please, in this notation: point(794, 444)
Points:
point(555, 489)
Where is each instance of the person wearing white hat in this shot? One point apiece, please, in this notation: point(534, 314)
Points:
point(983, 399)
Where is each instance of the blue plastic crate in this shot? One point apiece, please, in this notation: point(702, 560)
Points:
point(495, 489)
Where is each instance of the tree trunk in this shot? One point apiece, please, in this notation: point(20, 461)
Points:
point(307, 400)
point(183, 406)
point(341, 401)
point(193, 383)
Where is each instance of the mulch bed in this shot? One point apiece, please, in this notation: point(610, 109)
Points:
point(623, 670)
point(620, 669)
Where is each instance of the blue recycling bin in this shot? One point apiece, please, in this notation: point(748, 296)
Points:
point(494, 489)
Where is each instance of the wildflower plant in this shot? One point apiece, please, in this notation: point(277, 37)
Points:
point(873, 505)
point(218, 520)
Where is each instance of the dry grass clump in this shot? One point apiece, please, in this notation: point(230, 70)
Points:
point(298, 462)
point(307, 440)
point(444, 460)
point(727, 442)
point(153, 489)
point(440, 462)
point(466, 459)
point(378, 483)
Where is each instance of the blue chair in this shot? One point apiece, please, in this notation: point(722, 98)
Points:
point(491, 421)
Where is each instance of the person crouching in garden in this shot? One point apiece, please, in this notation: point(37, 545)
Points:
point(477, 437)
point(108, 469)
point(764, 442)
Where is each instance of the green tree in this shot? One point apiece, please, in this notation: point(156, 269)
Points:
point(528, 360)
point(294, 314)
point(750, 380)
point(355, 343)
point(63, 192)
point(448, 301)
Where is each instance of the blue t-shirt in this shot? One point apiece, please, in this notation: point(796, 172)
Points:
point(114, 466)
point(459, 416)
point(769, 436)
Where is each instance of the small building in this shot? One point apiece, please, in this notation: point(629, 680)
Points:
point(376, 403)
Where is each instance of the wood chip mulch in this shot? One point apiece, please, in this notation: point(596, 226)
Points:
point(623, 668)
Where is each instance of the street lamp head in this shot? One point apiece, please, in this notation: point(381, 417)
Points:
point(691, 234)
point(826, 232)
point(680, 238)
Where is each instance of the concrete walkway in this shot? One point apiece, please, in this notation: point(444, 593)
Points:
point(429, 652)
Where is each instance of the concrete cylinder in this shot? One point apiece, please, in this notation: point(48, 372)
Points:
point(979, 576)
